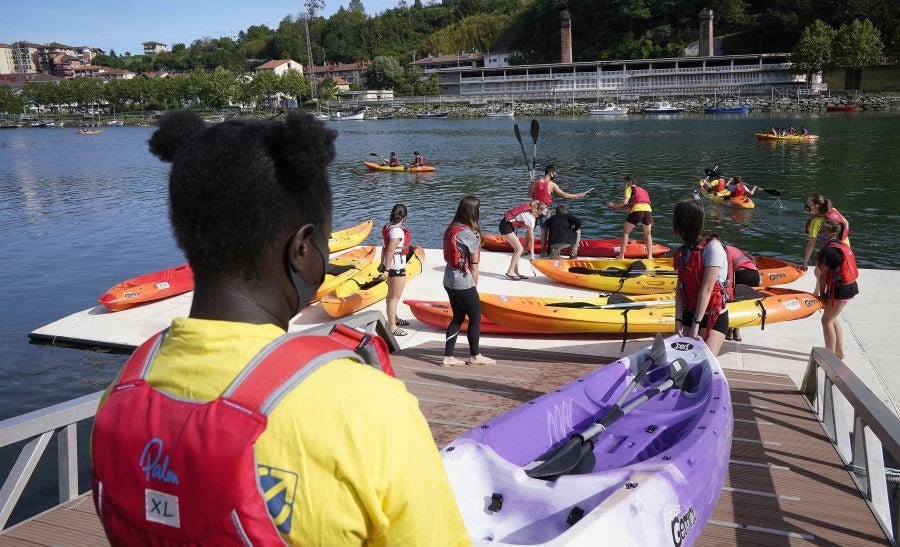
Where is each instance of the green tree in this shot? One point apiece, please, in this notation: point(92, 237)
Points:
point(813, 50)
point(294, 85)
point(10, 102)
point(383, 73)
point(222, 88)
point(356, 6)
point(327, 89)
point(265, 84)
point(857, 46)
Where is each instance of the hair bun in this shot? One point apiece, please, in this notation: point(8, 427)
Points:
point(175, 129)
point(304, 143)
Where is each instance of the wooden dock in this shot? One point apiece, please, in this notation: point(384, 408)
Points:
point(786, 484)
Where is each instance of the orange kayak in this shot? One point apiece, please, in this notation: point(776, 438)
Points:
point(371, 165)
point(646, 276)
point(438, 315)
point(148, 288)
point(350, 237)
point(343, 267)
point(794, 138)
point(366, 287)
point(608, 248)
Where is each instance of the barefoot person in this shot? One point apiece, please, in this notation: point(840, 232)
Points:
point(637, 200)
point(705, 283)
point(521, 216)
point(395, 248)
point(836, 276)
point(462, 250)
point(543, 189)
point(216, 412)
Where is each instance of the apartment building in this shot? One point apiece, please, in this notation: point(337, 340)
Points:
point(7, 59)
point(152, 48)
point(102, 73)
point(348, 72)
point(279, 66)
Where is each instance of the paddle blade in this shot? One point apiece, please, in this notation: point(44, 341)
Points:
point(374, 154)
point(618, 299)
point(517, 132)
point(679, 372)
point(535, 129)
point(658, 350)
point(772, 192)
point(572, 457)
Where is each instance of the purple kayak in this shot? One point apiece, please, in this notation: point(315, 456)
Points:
point(653, 474)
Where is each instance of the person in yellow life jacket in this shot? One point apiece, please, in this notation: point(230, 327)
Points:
point(339, 454)
point(637, 201)
point(821, 209)
point(836, 276)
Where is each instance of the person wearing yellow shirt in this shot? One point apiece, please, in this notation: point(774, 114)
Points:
point(344, 456)
point(821, 209)
point(637, 200)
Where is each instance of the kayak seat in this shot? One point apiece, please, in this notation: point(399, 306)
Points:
point(338, 270)
point(745, 292)
point(584, 305)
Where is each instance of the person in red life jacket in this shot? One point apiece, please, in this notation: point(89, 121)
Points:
point(395, 248)
point(525, 216)
point(462, 251)
point(564, 230)
point(821, 209)
point(418, 160)
point(705, 282)
point(736, 189)
point(393, 160)
point(836, 276)
point(223, 430)
point(746, 272)
point(637, 200)
point(543, 189)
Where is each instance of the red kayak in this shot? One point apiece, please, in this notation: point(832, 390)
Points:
point(605, 248)
point(438, 315)
point(148, 288)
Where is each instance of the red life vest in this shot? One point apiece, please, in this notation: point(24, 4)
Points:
point(690, 275)
point(846, 274)
point(739, 260)
point(720, 185)
point(169, 470)
point(420, 160)
point(452, 255)
point(739, 190)
point(541, 191)
point(638, 195)
point(394, 161)
point(835, 215)
point(386, 236)
point(514, 212)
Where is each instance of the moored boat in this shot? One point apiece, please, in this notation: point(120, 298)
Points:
point(743, 109)
point(608, 248)
point(501, 114)
point(611, 109)
point(400, 168)
point(789, 138)
point(650, 474)
point(341, 117)
point(367, 287)
point(349, 237)
point(148, 288)
point(662, 107)
point(89, 131)
point(724, 197)
point(433, 115)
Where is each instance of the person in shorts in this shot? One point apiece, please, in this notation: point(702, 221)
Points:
point(637, 201)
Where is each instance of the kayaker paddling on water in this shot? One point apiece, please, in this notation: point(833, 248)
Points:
point(737, 189)
point(637, 200)
point(462, 252)
point(836, 276)
point(543, 189)
point(525, 216)
point(705, 282)
point(418, 160)
point(393, 160)
point(821, 209)
point(340, 456)
point(394, 250)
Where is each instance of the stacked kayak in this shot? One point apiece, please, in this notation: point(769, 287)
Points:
point(724, 198)
point(646, 276)
point(608, 248)
point(438, 315)
point(343, 267)
point(148, 288)
point(350, 237)
point(371, 165)
point(635, 314)
point(793, 138)
point(652, 476)
point(366, 287)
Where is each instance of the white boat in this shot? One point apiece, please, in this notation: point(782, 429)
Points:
point(501, 114)
point(115, 122)
point(214, 119)
point(341, 117)
point(611, 109)
point(323, 117)
point(662, 107)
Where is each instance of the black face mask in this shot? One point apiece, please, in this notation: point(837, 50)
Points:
point(305, 291)
point(808, 208)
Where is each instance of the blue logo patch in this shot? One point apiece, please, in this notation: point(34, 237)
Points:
point(155, 464)
point(279, 488)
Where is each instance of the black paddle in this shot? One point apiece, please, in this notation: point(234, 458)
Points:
point(535, 129)
point(524, 155)
point(379, 156)
point(576, 456)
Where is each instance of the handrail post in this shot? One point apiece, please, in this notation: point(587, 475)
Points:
point(67, 462)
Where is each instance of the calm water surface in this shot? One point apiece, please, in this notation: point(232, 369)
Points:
point(80, 213)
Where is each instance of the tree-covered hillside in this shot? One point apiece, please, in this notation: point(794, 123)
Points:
point(607, 29)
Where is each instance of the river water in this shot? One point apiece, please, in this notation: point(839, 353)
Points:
point(80, 213)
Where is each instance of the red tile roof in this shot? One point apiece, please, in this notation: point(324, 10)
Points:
point(269, 65)
point(5, 45)
point(453, 57)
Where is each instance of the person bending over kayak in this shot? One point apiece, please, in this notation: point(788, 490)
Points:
point(564, 230)
point(339, 456)
point(736, 189)
point(462, 250)
point(639, 212)
point(836, 276)
point(746, 272)
point(543, 189)
point(525, 216)
point(821, 209)
point(418, 160)
point(395, 248)
point(705, 282)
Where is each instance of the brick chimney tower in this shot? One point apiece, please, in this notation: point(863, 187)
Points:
point(706, 33)
point(565, 37)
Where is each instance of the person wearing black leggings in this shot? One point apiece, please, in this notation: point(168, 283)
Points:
point(462, 249)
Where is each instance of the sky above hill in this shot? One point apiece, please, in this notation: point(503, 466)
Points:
point(122, 25)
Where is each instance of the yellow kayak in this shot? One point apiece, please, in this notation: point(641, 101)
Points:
point(350, 237)
point(366, 287)
point(794, 138)
point(345, 266)
point(724, 198)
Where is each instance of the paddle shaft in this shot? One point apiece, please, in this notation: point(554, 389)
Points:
point(535, 130)
point(524, 155)
point(598, 428)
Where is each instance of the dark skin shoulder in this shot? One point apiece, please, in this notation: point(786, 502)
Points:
point(269, 297)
